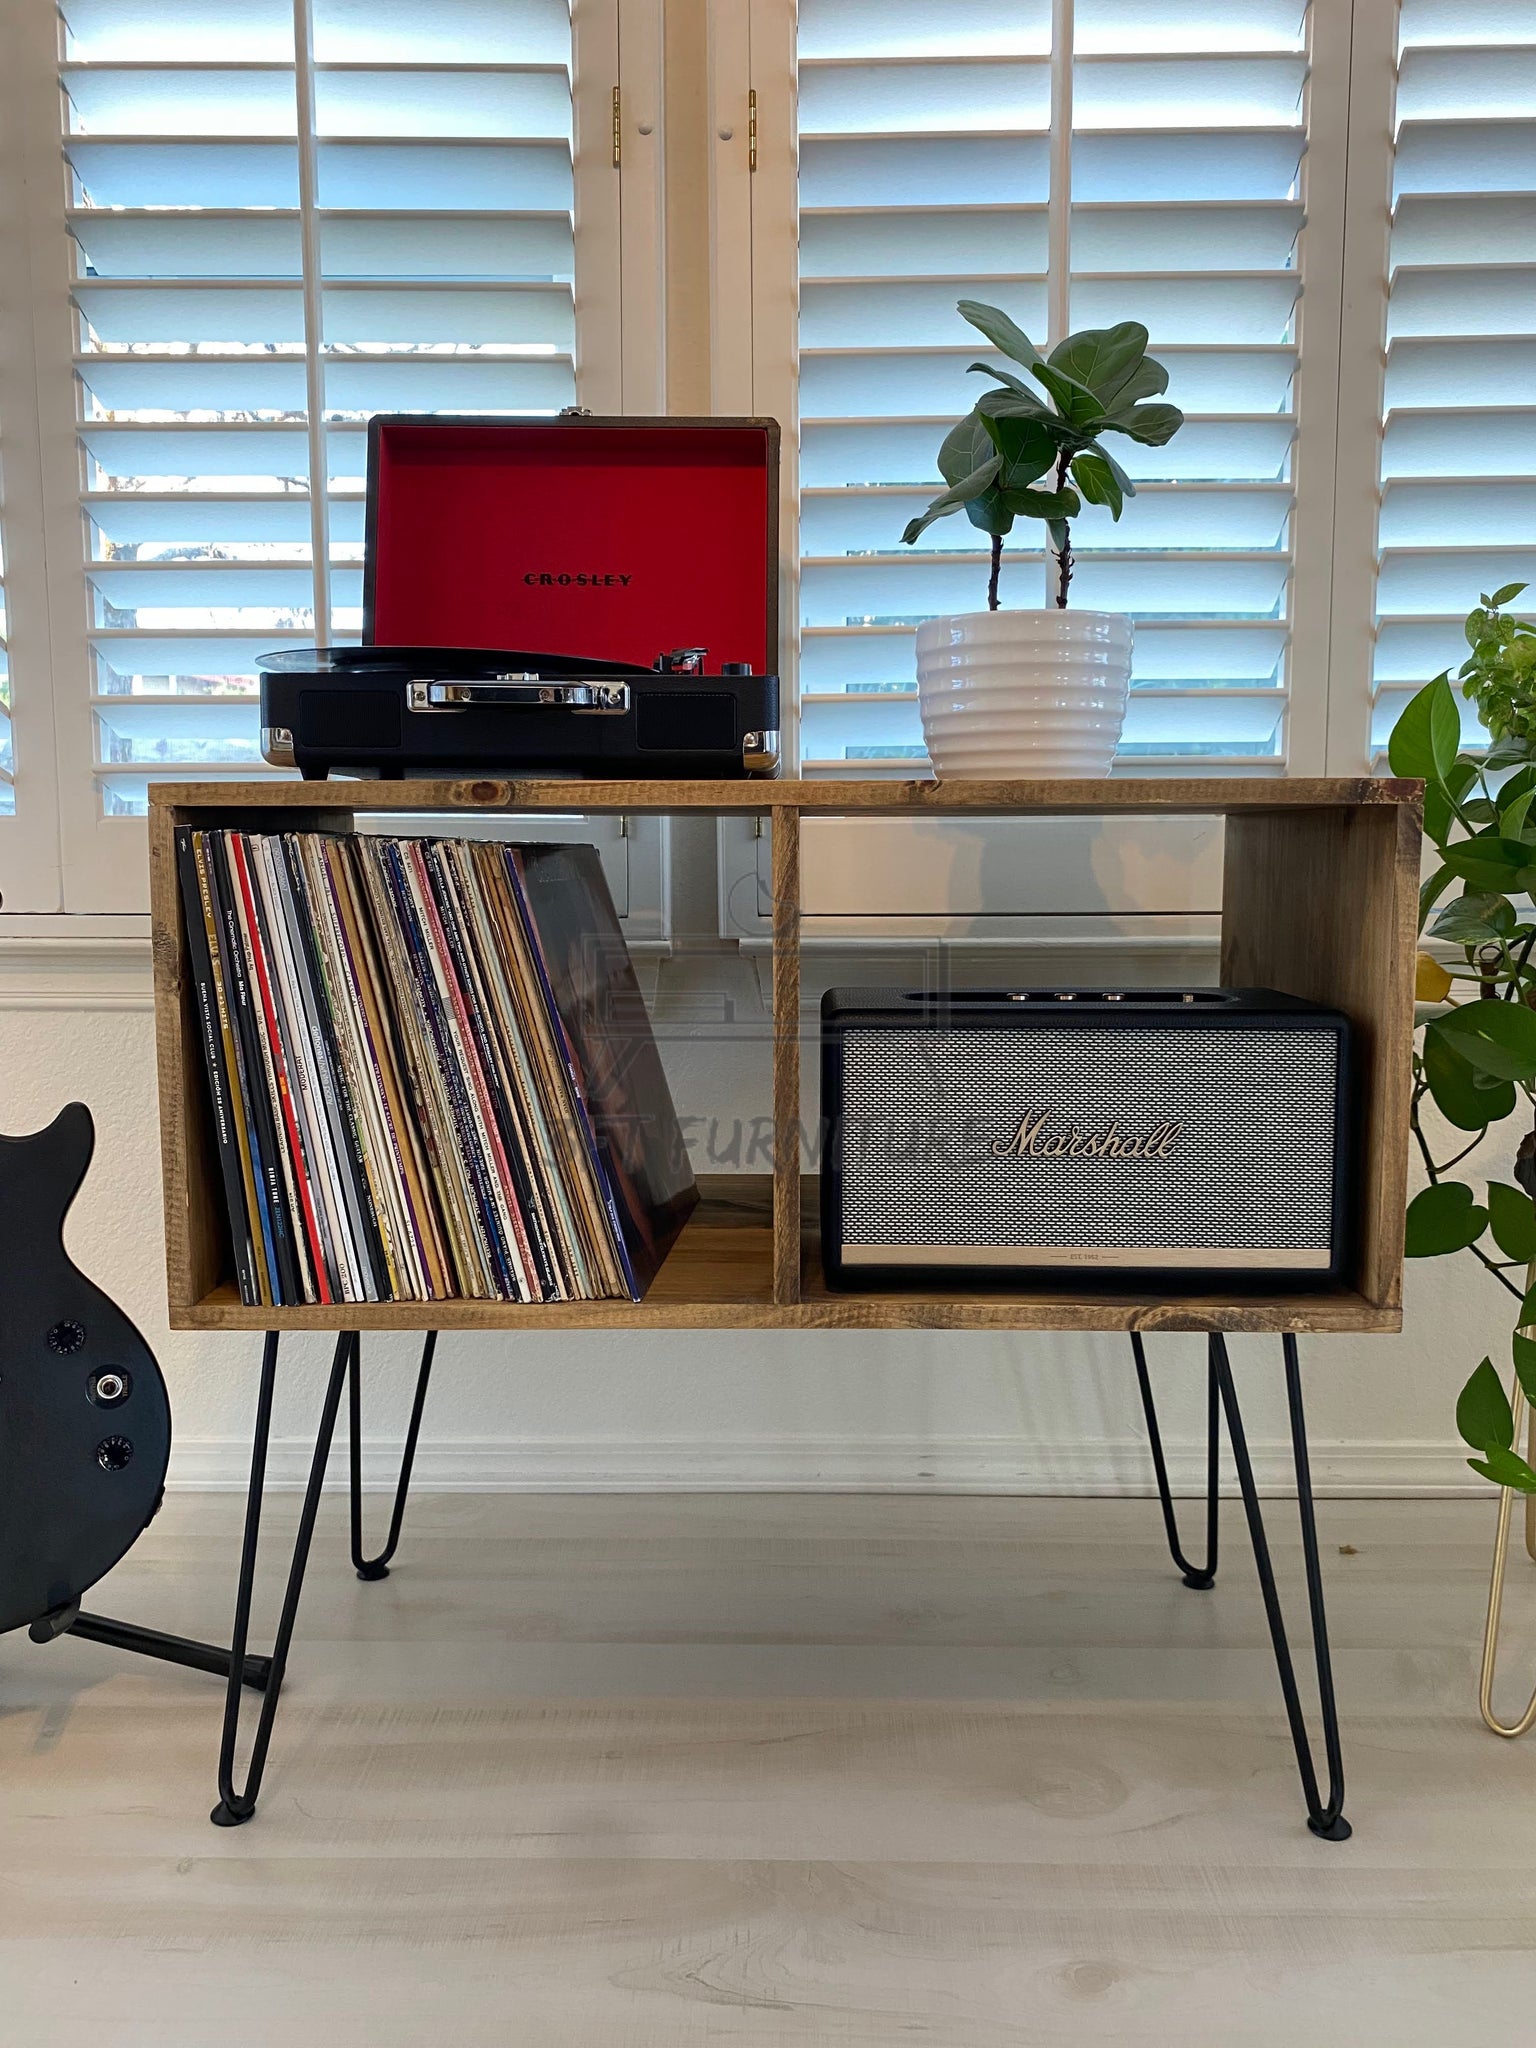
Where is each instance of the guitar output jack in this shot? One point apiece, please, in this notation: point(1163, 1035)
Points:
point(110, 1389)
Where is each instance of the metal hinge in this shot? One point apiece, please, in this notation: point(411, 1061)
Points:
point(752, 129)
point(617, 147)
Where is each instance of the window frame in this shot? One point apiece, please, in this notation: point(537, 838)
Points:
point(61, 853)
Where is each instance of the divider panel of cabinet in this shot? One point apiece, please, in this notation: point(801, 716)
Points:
point(786, 1056)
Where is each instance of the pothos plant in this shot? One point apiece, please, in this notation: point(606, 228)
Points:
point(1474, 1059)
point(1027, 453)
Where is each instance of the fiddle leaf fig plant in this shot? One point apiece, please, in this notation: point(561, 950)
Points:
point(1032, 450)
point(1474, 1059)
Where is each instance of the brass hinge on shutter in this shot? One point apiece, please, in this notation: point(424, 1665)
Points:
point(617, 145)
point(752, 130)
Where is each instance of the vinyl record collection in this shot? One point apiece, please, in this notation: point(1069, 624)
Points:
point(431, 1070)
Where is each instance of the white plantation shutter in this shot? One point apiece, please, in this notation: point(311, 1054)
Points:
point(286, 217)
point(1458, 464)
point(1172, 193)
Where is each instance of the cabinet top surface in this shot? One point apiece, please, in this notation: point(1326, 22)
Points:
point(873, 798)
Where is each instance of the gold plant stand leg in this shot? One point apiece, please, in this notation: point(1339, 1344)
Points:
point(1517, 1403)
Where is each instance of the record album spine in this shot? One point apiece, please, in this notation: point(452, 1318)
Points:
point(266, 1151)
point(196, 913)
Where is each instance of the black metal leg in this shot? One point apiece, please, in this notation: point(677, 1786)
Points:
point(235, 1805)
point(1200, 1577)
point(378, 1567)
point(1326, 1820)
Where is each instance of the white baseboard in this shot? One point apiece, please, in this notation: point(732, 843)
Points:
point(836, 1464)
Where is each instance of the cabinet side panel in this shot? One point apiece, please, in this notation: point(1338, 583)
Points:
point(196, 1257)
point(786, 1056)
point(1324, 905)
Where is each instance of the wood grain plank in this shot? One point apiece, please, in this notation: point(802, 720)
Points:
point(786, 1056)
point(1191, 796)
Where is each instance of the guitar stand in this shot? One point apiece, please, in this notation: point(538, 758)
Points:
point(237, 1804)
point(255, 1672)
point(1326, 1820)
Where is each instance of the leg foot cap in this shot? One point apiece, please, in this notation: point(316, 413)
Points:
point(1338, 1830)
point(226, 1816)
point(1200, 1582)
point(375, 1568)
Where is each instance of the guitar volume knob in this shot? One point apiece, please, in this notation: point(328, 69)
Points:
point(113, 1453)
point(66, 1336)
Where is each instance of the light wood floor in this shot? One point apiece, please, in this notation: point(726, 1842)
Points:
point(657, 1773)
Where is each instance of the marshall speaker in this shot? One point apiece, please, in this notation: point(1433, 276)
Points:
point(1173, 1136)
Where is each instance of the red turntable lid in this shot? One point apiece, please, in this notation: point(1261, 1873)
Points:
point(613, 538)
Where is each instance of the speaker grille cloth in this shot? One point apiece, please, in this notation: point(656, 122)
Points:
point(1252, 1166)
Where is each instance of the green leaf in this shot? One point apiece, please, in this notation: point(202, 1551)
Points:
point(1147, 380)
point(1074, 401)
point(990, 514)
point(1512, 819)
point(1507, 754)
point(1506, 1468)
point(1014, 384)
point(1475, 919)
point(1469, 1100)
point(1027, 447)
point(965, 448)
point(1526, 1319)
point(1496, 1038)
point(1126, 483)
point(959, 494)
point(1150, 424)
point(1506, 595)
point(1098, 482)
point(1045, 504)
point(1022, 404)
point(1431, 890)
point(1525, 1364)
point(1487, 861)
point(1441, 1219)
point(1513, 1220)
point(1102, 358)
point(1002, 332)
point(1482, 1411)
point(1427, 734)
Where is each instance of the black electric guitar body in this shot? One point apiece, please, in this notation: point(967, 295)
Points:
point(85, 1425)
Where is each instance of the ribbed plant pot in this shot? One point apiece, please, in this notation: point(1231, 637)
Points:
point(1010, 695)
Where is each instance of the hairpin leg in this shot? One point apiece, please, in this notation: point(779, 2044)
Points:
point(1327, 1820)
point(378, 1567)
point(1491, 1721)
point(235, 1805)
point(1197, 1576)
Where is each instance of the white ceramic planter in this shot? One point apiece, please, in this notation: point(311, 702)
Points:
point(1008, 695)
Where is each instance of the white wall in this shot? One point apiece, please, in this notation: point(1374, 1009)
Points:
point(701, 1409)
